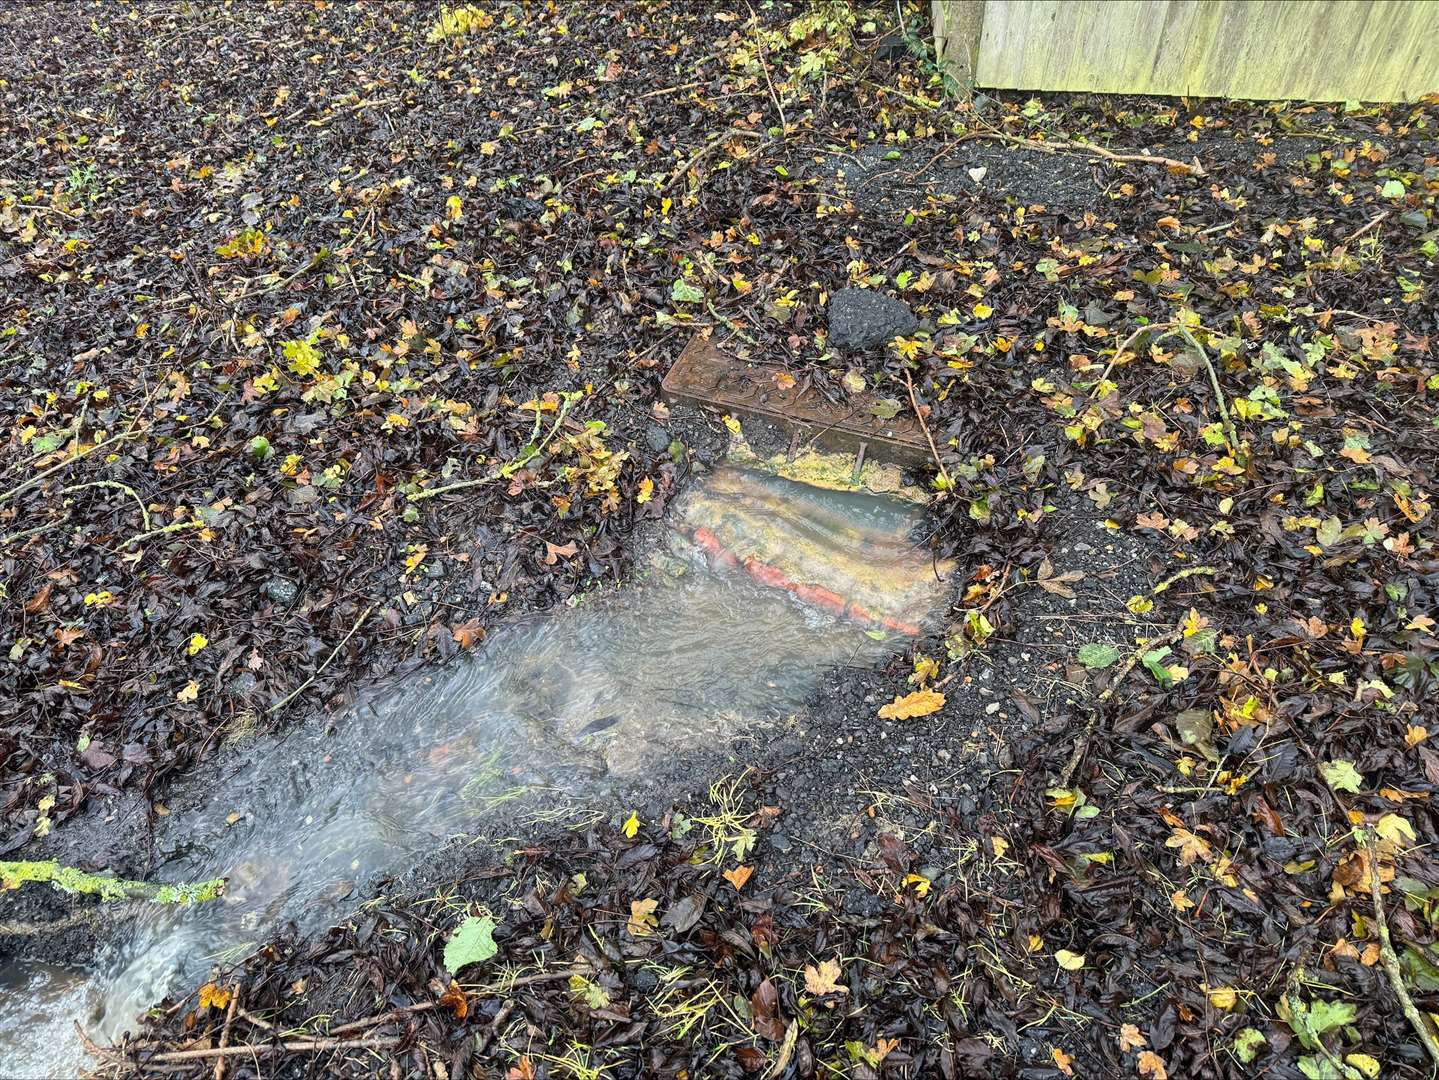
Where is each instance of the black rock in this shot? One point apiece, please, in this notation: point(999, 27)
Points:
point(863, 318)
point(658, 438)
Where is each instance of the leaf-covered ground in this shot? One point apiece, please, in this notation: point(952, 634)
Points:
point(277, 273)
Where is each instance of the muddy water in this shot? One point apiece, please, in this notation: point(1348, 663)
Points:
point(764, 586)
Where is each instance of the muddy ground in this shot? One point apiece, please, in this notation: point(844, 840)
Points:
point(276, 274)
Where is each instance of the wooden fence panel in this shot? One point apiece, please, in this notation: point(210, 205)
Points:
point(1369, 50)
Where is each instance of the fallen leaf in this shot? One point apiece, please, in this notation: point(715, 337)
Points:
point(197, 642)
point(739, 876)
point(1131, 1038)
point(214, 996)
point(631, 827)
point(1222, 997)
point(554, 552)
point(472, 942)
point(822, 980)
point(468, 634)
point(1062, 1061)
point(455, 1000)
point(190, 693)
point(642, 917)
point(1152, 1065)
point(1069, 961)
point(908, 706)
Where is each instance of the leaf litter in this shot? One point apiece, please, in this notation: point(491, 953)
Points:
point(331, 289)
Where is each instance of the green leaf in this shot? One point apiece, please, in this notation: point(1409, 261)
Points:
point(260, 448)
point(472, 943)
point(1392, 189)
point(43, 444)
point(1095, 655)
point(1154, 663)
point(1341, 775)
point(1247, 1044)
point(1364, 1063)
point(1328, 532)
point(685, 293)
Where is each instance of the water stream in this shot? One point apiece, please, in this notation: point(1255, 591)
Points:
point(763, 587)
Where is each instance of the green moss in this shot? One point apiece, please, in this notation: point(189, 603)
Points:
point(109, 889)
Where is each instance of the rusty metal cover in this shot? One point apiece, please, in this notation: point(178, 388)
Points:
point(706, 376)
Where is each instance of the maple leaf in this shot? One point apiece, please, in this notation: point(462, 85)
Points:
point(190, 693)
point(739, 876)
point(908, 706)
point(822, 980)
point(1152, 1065)
point(214, 996)
point(1131, 1038)
point(642, 916)
point(468, 633)
point(1062, 1061)
point(553, 552)
point(1191, 847)
point(1154, 520)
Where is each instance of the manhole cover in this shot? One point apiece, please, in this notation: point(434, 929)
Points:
point(706, 376)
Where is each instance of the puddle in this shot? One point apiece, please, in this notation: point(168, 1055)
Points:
point(763, 586)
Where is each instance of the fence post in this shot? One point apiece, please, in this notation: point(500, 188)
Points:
point(957, 27)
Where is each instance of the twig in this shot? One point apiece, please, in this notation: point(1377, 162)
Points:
point(510, 467)
point(483, 1043)
point(1357, 233)
point(223, 1063)
point(335, 652)
point(144, 512)
point(164, 530)
point(764, 66)
point(1390, 959)
point(705, 151)
point(914, 404)
point(1168, 330)
point(380, 1018)
point(1300, 1015)
point(1119, 676)
point(1193, 571)
point(306, 1046)
point(1057, 146)
point(6, 496)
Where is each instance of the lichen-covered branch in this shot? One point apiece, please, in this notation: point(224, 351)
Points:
point(79, 883)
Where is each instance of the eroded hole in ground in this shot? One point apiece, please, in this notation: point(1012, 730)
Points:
point(763, 585)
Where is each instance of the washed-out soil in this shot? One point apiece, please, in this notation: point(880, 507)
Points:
point(308, 263)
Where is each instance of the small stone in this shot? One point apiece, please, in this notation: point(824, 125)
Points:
point(281, 590)
point(992, 708)
point(863, 318)
point(658, 439)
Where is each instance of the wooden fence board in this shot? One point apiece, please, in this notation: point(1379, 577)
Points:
point(1317, 50)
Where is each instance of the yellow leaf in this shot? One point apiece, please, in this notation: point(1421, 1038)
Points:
point(642, 916)
point(920, 882)
point(1152, 1065)
point(982, 310)
point(823, 979)
point(632, 826)
point(198, 642)
point(1223, 997)
point(739, 876)
point(1180, 900)
point(1000, 845)
point(1364, 1063)
point(1415, 735)
point(190, 693)
point(454, 206)
point(907, 706)
point(1396, 830)
point(646, 492)
point(213, 996)
point(1062, 1061)
point(1069, 961)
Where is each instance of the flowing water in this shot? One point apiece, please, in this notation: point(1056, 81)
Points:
point(763, 587)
